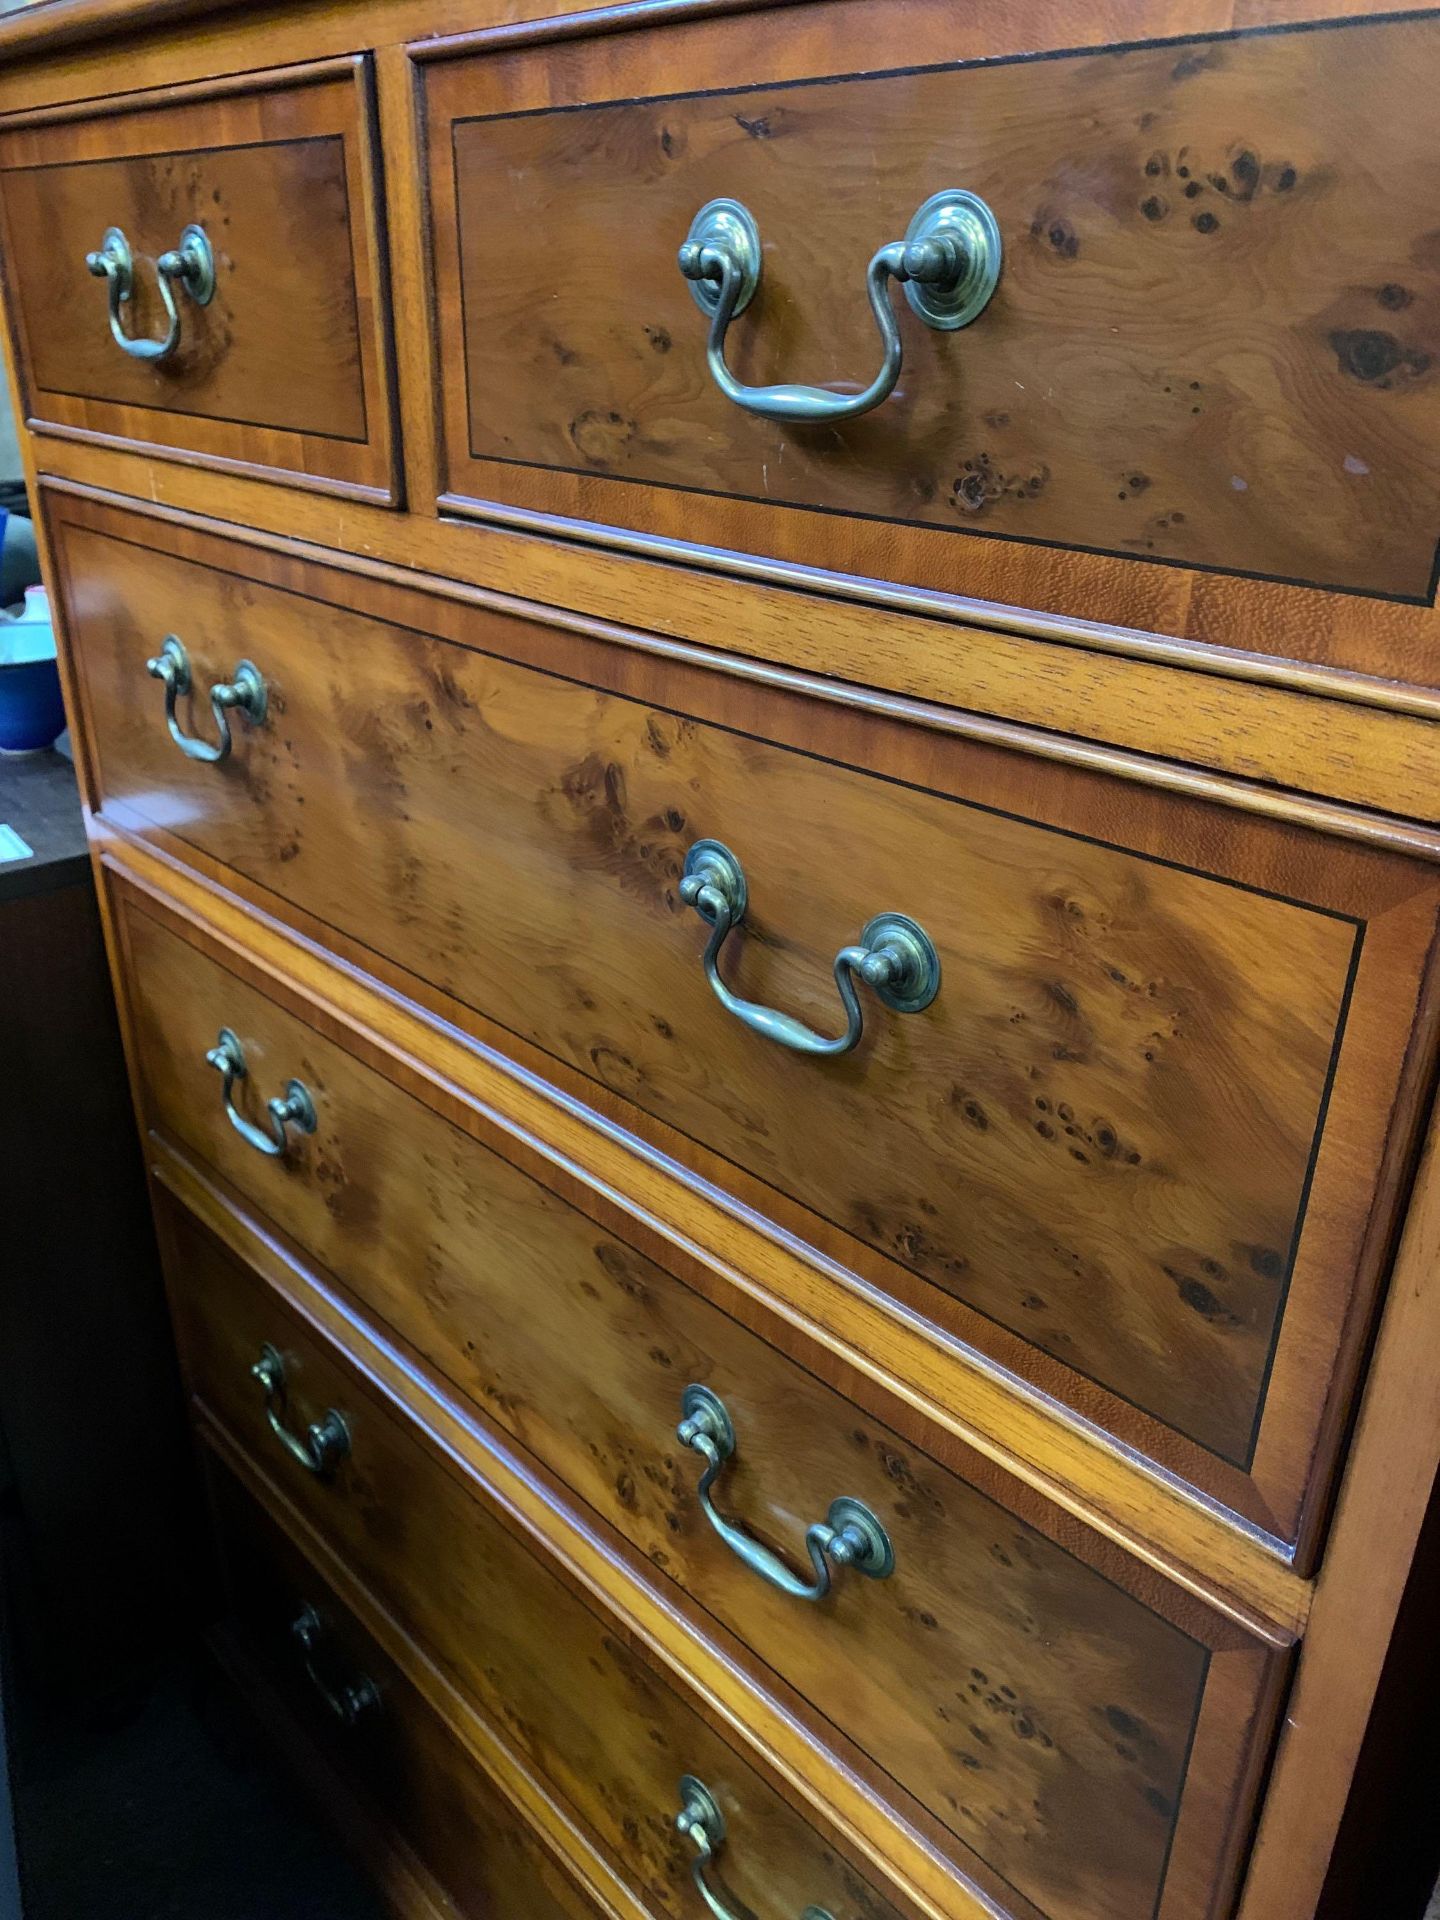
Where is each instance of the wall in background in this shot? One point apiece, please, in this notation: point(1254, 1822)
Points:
point(9, 443)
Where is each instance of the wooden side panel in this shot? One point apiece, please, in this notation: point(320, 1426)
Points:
point(287, 366)
point(1101, 1144)
point(1214, 346)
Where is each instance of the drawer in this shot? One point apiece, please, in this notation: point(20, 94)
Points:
point(1211, 353)
point(1143, 1146)
point(259, 194)
point(385, 1746)
point(1073, 1783)
point(558, 1679)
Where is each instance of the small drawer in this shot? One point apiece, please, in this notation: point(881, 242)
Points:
point(1143, 1145)
point(201, 272)
point(580, 1707)
point(961, 1678)
point(1211, 350)
point(384, 1745)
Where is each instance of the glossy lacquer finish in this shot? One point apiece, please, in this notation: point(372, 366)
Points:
point(283, 365)
point(1133, 1145)
point(1213, 344)
point(409, 1776)
point(985, 1670)
point(605, 1732)
point(1055, 1724)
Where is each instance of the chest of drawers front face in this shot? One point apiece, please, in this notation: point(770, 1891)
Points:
point(1046, 1711)
point(1043, 1709)
point(1097, 1153)
point(204, 275)
point(1214, 344)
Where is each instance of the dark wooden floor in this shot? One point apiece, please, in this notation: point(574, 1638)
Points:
point(174, 1815)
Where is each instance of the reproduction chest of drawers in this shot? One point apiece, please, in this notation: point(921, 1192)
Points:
point(785, 1032)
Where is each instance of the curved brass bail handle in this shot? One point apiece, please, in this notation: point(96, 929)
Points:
point(293, 1108)
point(850, 1535)
point(703, 1825)
point(948, 264)
point(895, 956)
point(325, 1442)
point(246, 693)
point(352, 1698)
point(191, 264)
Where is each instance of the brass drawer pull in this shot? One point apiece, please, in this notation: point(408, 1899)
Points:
point(703, 1824)
point(191, 264)
point(850, 1535)
point(247, 693)
point(325, 1442)
point(895, 956)
point(351, 1699)
point(948, 264)
point(293, 1108)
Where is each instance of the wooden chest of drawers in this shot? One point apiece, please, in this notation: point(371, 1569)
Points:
point(785, 1033)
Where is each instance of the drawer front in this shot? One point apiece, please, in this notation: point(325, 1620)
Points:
point(567, 1691)
point(385, 1744)
point(282, 362)
point(1213, 346)
point(1054, 1724)
point(1138, 1148)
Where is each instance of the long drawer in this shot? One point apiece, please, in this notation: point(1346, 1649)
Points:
point(386, 1748)
point(1043, 1697)
point(200, 272)
point(1142, 1147)
point(1191, 334)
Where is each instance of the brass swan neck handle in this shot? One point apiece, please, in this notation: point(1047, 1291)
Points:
point(703, 1825)
point(293, 1108)
point(190, 266)
point(247, 694)
point(895, 957)
point(324, 1443)
point(948, 264)
point(849, 1535)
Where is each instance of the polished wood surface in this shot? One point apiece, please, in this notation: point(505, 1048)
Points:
point(1124, 395)
point(1352, 1621)
point(1082, 1760)
point(608, 1734)
point(1005, 580)
point(839, 690)
point(1249, 729)
point(591, 1383)
point(408, 1774)
point(1100, 1145)
point(285, 368)
point(977, 1419)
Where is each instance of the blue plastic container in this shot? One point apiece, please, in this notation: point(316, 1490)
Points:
point(32, 713)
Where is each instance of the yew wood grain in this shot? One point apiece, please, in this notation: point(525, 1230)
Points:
point(1069, 1796)
point(409, 1777)
point(1038, 1162)
point(287, 366)
point(1302, 623)
point(981, 1421)
point(580, 1347)
point(1060, 686)
point(585, 1709)
point(1124, 395)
